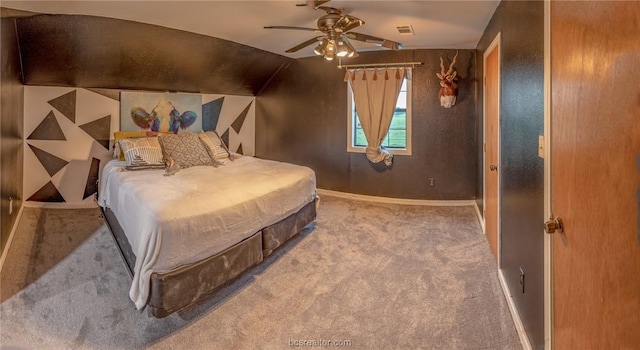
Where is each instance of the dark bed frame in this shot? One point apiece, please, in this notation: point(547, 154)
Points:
point(186, 285)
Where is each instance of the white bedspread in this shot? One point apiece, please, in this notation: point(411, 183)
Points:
point(176, 220)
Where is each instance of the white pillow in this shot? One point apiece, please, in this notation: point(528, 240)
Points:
point(142, 153)
point(215, 146)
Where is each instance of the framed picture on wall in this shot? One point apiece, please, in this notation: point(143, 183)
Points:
point(160, 112)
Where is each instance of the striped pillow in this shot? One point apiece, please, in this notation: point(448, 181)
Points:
point(119, 135)
point(215, 147)
point(142, 153)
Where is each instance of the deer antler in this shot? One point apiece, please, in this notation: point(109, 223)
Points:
point(451, 65)
point(441, 66)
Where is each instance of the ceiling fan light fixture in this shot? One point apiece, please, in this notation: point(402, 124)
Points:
point(331, 47)
point(322, 47)
point(351, 51)
point(330, 50)
point(329, 56)
point(343, 49)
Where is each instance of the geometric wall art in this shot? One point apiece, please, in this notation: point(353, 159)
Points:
point(48, 129)
point(211, 113)
point(47, 193)
point(66, 105)
point(234, 118)
point(100, 130)
point(51, 163)
point(68, 138)
point(69, 135)
point(91, 187)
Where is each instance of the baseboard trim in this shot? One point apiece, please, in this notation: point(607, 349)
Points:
point(524, 340)
point(479, 215)
point(48, 205)
point(388, 200)
point(5, 251)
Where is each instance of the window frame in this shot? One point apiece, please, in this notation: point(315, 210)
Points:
point(351, 130)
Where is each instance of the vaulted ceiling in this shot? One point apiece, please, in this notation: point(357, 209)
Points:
point(436, 24)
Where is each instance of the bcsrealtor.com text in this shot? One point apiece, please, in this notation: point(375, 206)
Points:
point(320, 343)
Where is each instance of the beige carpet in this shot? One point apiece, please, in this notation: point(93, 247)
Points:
point(364, 276)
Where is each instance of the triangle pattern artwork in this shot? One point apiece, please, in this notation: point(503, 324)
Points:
point(66, 104)
point(91, 186)
point(99, 130)
point(47, 193)
point(225, 137)
point(237, 124)
point(51, 163)
point(211, 114)
point(239, 150)
point(48, 129)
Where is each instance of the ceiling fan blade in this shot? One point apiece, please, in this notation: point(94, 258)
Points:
point(294, 28)
point(330, 10)
point(346, 23)
point(390, 44)
point(304, 44)
point(313, 3)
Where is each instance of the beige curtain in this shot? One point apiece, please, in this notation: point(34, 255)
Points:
point(375, 92)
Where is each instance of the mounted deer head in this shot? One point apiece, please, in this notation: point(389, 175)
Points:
point(449, 88)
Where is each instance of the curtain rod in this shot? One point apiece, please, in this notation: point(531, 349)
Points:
point(412, 64)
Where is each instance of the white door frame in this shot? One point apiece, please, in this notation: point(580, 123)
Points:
point(548, 210)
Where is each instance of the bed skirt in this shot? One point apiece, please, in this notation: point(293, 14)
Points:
point(183, 286)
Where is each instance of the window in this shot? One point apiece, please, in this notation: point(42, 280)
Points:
point(398, 139)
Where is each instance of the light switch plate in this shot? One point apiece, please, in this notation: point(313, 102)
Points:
point(541, 146)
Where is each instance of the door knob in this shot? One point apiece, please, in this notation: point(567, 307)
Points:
point(493, 167)
point(552, 225)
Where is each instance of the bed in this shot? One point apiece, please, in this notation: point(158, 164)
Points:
point(183, 236)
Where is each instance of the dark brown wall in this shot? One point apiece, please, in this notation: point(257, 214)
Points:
point(301, 117)
point(521, 24)
point(11, 127)
point(96, 52)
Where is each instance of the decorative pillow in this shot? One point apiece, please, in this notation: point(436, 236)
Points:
point(214, 146)
point(184, 150)
point(119, 135)
point(142, 153)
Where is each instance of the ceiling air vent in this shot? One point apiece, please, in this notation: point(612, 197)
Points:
point(405, 30)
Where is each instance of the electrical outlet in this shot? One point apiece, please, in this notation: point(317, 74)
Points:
point(432, 182)
point(522, 279)
point(10, 205)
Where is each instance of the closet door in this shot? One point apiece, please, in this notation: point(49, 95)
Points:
point(595, 173)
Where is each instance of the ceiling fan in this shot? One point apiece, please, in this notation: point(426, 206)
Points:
point(336, 33)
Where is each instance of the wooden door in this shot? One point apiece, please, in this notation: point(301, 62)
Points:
point(595, 118)
point(492, 144)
